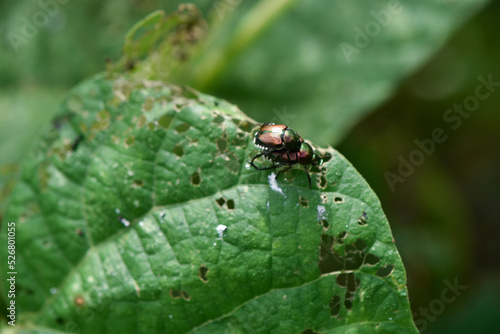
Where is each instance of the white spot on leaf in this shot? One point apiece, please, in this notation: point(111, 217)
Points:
point(273, 184)
point(125, 222)
point(321, 212)
point(220, 230)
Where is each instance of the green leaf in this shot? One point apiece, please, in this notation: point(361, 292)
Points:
point(164, 42)
point(139, 213)
point(320, 66)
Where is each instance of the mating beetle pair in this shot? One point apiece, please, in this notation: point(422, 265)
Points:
point(284, 147)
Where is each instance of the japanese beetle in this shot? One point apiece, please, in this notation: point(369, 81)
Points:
point(275, 137)
point(305, 156)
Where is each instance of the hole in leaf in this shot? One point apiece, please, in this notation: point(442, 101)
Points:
point(360, 244)
point(129, 141)
point(216, 103)
point(303, 202)
point(181, 128)
point(335, 306)
point(76, 142)
point(353, 255)
point(232, 164)
point(325, 224)
point(349, 282)
point(187, 93)
point(352, 282)
point(385, 271)
point(354, 260)
point(138, 183)
point(350, 248)
point(326, 157)
point(314, 169)
point(130, 65)
point(141, 121)
point(338, 200)
point(349, 298)
point(203, 273)
point(175, 293)
point(363, 220)
point(148, 104)
point(340, 238)
point(165, 121)
point(324, 198)
point(195, 178)
point(243, 125)
point(60, 320)
point(309, 331)
point(178, 150)
point(230, 204)
point(186, 295)
point(240, 140)
point(221, 144)
point(327, 259)
point(221, 201)
point(30, 292)
point(342, 280)
point(218, 119)
point(371, 259)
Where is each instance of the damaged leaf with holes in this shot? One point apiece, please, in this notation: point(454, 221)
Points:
point(137, 212)
point(159, 36)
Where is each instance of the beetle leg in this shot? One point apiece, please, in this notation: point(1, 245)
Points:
point(262, 168)
point(283, 170)
point(308, 176)
point(253, 159)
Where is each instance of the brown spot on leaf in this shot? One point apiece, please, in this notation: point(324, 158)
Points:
point(79, 301)
point(129, 141)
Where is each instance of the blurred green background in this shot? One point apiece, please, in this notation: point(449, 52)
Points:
point(443, 215)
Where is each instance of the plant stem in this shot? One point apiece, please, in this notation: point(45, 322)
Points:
point(254, 23)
